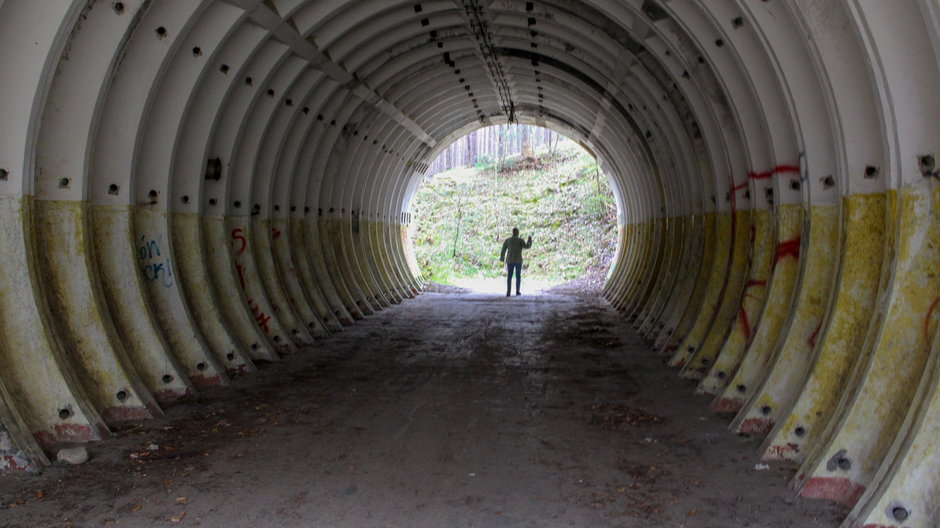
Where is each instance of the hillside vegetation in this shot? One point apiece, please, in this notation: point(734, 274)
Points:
point(558, 196)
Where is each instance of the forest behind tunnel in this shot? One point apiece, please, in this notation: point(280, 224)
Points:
point(207, 203)
point(508, 177)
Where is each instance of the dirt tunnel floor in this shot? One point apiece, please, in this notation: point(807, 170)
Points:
point(450, 410)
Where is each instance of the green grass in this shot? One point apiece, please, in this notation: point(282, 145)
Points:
point(462, 216)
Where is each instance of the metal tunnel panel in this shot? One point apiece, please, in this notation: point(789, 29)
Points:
point(190, 188)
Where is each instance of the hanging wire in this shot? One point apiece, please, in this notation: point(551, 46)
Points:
point(490, 57)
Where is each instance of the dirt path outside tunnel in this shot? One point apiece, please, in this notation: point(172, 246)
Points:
point(450, 410)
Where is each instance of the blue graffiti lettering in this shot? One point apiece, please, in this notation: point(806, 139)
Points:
point(148, 249)
point(154, 267)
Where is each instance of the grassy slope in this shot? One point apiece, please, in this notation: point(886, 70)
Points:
point(564, 203)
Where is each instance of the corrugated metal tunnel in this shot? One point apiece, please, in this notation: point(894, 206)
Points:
point(189, 187)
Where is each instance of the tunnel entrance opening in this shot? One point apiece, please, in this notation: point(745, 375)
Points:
point(494, 179)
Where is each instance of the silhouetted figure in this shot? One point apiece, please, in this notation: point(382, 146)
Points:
point(514, 246)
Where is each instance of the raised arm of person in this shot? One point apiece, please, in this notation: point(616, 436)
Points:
point(528, 243)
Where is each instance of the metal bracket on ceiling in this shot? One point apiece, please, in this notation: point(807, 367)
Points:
point(481, 33)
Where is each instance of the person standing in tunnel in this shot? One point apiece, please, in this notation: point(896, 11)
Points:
point(513, 246)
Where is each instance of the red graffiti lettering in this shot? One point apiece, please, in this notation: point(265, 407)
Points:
point(275, 233)
point(745, 324)
point(927, 320)
point(812, 337)
point(238, 234)
point(752, 283)
point(788, 248)
point(780, 169)
point(260, 317)
point(263, 320)
point(241, 274)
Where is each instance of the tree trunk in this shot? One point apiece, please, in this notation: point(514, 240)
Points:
point(526, 146)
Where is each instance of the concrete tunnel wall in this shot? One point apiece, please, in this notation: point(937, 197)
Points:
point(188, 187)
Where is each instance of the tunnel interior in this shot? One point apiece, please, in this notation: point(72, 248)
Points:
point(189, 189)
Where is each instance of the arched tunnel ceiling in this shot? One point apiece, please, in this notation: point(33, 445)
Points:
point(190, 186)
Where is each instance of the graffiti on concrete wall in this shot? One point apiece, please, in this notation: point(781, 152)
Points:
point(742, 314)
point(928, 319)
point(154, 262)
point(239, 245)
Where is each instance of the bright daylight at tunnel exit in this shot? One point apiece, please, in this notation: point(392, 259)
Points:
point(505, 177)
point(239, 287)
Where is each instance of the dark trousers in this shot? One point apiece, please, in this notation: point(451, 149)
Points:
point(518, 267)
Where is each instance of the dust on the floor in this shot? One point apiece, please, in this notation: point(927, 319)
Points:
point(449, 410)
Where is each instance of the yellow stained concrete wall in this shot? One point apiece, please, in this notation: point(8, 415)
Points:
point(295, 318)
point(401, 278)
point(129, 306)
point(398, 290)
point(623, 262)
point(790, 362)
point(650, 288)
point(395, 239)
point(285, 274)
point(359, 274)
point(664, 324)
point(616, 271)
point(76, 303)
point(863, 228)
point(713, 292)
point(889, 366)
point(314, 311)
point(752, 300)
point(227, 282)
point(656, 269)
point(665, 281)
point(631, 248)
point(642, 246)
point(678, 253)
point(293, 254)
point(908, 481)
point(270, 319)
point(192, 278)
point(333, 254)
point(158, 271)
point(48, 395)
point(729, 308)
point(336, 292)
point(774, 315)
point(688, 312)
